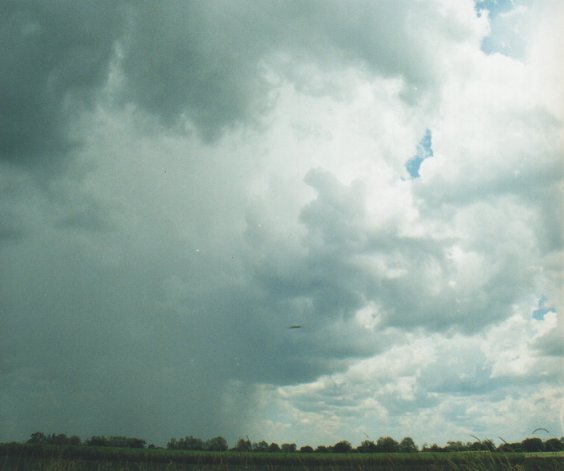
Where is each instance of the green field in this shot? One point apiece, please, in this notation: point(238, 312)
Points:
point(16, 457)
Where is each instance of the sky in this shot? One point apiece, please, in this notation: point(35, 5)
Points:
point(181, 182)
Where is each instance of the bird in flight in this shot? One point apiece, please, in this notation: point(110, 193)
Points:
point(296, 326)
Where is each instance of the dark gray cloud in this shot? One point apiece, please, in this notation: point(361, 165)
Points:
point(198, 63)
point(56, 56)
point(207, 62)
point(195, 62)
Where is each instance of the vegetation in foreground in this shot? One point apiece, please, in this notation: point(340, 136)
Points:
point(57, 458)
point(61, 453)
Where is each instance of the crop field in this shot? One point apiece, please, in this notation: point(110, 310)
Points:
point(54, 458)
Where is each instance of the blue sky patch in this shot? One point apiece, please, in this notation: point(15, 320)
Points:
point(507, 19)
point(495, 7)
point(542, 309)
point(424, 151)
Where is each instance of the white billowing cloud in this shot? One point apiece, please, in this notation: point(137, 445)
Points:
point(437, 387)
point(546, 41)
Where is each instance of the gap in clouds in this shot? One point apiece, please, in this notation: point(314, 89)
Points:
point(508, 24)
point(424, 151)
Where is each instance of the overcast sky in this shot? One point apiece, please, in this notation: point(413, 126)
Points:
point(181, 181)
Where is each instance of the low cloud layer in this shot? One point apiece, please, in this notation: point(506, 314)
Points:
point(182, 182)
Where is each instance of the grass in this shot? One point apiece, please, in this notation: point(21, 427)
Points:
point(23, 457)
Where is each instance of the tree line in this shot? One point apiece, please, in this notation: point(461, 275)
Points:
point(382, 445)
point(534, 444)
point(40, 438)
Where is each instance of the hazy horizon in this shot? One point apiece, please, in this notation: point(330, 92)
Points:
point(181, 182)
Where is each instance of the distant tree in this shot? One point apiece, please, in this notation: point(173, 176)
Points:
point(243, 445)
point(54, 439)
point(488, 445)
point(554, 444)
point(118, 442)
point(387, 445)
point(37, 437)
point(306, 449)
point(342, 447)
point(216, 444)
point(475, 446)
point(456, 446)
point(367, 446)
point(114, 441)
point(510, 447)
point(288, 447)
point(125, 442)
point(274, 447)
point(532, 444)
point(192, 443)
point(97, 440)
point(136, 443)
point(260, 446)
point(407, 445)
point(322, 449)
